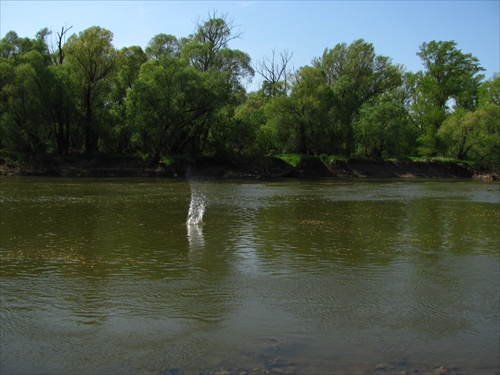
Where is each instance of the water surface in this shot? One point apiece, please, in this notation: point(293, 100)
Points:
point(104, 276)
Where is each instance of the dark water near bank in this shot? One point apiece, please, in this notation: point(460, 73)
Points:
point(327, 276)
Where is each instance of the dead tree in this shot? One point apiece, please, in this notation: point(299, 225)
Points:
point(276, 72)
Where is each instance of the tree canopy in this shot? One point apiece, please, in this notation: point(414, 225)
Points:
point(186, 95)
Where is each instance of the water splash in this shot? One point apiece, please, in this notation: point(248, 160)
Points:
point(196, 207)
point(198, 202)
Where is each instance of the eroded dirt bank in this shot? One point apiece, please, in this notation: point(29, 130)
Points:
point(269, 167)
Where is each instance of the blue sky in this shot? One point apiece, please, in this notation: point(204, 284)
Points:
point(305, 28)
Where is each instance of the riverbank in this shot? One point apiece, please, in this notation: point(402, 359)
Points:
point(256, 168)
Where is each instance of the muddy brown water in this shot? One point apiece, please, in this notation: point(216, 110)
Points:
point(103, 276)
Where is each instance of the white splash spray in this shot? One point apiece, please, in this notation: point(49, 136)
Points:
point(196, 207)
point(198, 199)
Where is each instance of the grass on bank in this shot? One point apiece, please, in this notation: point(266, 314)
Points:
point(295, 159)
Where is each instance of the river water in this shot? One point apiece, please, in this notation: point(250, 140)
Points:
point(104, 276)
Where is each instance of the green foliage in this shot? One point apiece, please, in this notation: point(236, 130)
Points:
point(92, 60)
point(129, 62)
point(474, 135)
point(451, 76)
point(171, 105)
point(383, 127)
point(185, 98)
point(356, 75)
point(23, 123)
point(11, 158)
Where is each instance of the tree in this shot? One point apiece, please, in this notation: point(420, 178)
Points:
point(169, 103)
point(224, 70)
point(62, 108)
point(450, 77)
point(383, 127)
point(302, 122)
point(276, 74)
point(24, 124)
point(59, 55)
point(475, 134)
point(162, 44)
point(251, 118)
point(489, 91)
point(208, 50)
point(93, 60)
point(128, 65)
point(356, 75)
point(211, 37)
point(12, 45)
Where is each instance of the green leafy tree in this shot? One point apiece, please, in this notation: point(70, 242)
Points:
point(312, 99)
point(162, 44)
point(450, 77)
point(489, 91)
point(208, 49)
point(475, 134)
point(356, 75)
point(63, 112)
point(252, 119)
point(24, 124)
point(168, 103)
point(383, 127)
point(226, 71)
point(128, 65)
point(37, 100)
point(12, 45)
point(93, 59)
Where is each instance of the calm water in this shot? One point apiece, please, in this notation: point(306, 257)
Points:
point(333, 276)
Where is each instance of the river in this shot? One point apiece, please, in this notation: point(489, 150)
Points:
point(104, 276)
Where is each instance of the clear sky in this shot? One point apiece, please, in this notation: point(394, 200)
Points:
point(305, 28)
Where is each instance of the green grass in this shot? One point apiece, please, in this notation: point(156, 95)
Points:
point(295, 159)
point(440, 159)
point(292, 159)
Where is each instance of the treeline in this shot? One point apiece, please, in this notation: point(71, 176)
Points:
point(187, 96)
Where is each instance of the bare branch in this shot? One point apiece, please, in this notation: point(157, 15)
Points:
point(275, 70)
point(60, 41)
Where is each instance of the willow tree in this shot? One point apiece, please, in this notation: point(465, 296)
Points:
point(168, 103)
point(451, 78)
point(356, 74)
point(225, 69)
point(25, 92)
point(302, 121)
point(162, 44)
point(93, 59)
point(128, 64)
point(475, 135)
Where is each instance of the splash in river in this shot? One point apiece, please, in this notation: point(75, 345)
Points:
point(197, 205)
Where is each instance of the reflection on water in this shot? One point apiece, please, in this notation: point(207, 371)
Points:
point(106, 276)
point(195, 236)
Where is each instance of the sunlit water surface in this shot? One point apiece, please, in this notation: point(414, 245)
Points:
point(327, 276)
